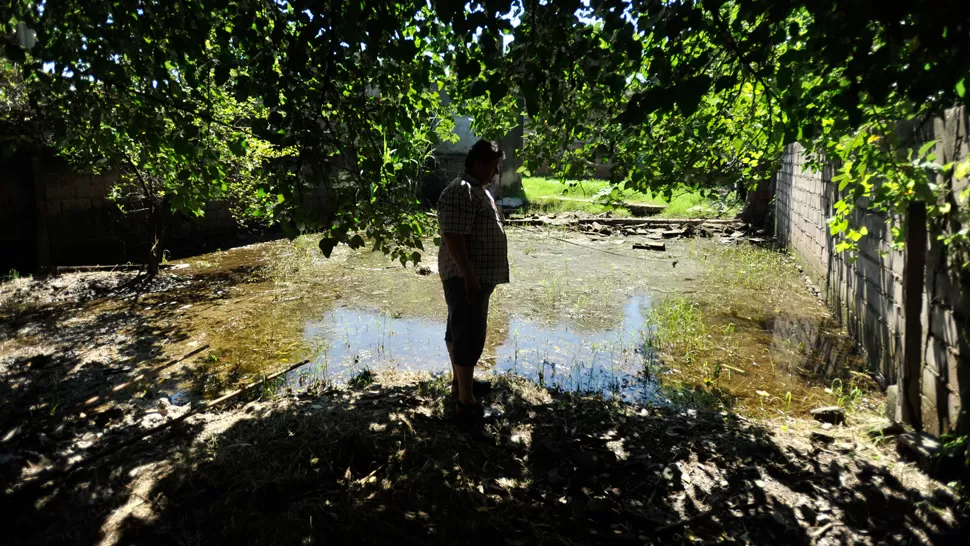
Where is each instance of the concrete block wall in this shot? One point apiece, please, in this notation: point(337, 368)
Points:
point(81, 226)
point(865, 293)
point(50, 215)
point(17, 224)
point(945, 315)
point(866, 290)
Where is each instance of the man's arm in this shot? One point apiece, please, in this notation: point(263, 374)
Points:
point(457, 247)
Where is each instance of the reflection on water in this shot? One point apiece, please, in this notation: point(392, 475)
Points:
point(818, 348)
point(561, 355)
point(572, 320)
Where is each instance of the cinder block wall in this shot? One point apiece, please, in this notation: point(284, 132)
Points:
point(866, 293)
point(54, 216)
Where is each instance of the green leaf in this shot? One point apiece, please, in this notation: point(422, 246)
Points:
point(327, 245)
point(478, 89)
point(926, 147)
point(962, 170)
point(836, 226)
point(961, 88)
point(238, 146)
point(355, 242)
point(222, 74)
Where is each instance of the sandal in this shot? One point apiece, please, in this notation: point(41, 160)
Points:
point(475, 413)
point(468, 413)
point(480, 389)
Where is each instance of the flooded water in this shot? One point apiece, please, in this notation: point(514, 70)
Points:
point(560, 355)
point(580, 314)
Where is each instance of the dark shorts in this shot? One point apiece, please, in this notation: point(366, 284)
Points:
point(466, 322)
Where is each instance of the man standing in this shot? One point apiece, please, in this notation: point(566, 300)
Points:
point(472, 259)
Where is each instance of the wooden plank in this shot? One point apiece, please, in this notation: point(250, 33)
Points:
point(656, 221)
point(636, 222)
point(660, 247)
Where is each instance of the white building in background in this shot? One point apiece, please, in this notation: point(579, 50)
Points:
point(449, 161)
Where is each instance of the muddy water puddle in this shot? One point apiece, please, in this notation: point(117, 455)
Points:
point(579, 314)
point(560, 355)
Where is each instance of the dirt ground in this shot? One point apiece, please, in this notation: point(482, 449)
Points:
point(91, 361)
point(382, 463)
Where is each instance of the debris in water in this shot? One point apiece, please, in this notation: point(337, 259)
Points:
point(830, 414)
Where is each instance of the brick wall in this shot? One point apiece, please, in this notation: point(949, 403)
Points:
point(866, 292)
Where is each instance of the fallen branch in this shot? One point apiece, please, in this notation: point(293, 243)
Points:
point(151, 432)
point(59, 269)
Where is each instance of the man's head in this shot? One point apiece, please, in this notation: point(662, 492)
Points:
point(484, 160)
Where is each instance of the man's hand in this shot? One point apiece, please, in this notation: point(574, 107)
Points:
point(473, 290)
point(457, 247)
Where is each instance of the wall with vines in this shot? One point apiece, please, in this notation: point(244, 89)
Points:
point(864, 285)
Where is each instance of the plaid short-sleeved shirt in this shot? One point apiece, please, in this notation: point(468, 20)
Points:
point(466, 208)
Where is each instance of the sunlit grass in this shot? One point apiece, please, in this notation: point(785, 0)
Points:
point(550, 195)
point(752, 268)
point(549, 188)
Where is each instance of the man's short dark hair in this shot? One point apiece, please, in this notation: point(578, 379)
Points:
point(483, 151)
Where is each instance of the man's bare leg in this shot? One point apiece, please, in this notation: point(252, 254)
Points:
point(466, 382)
point(456, 374)
point(451, 357)
point(464, 375)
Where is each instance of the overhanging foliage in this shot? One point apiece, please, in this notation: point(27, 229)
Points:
point(345, 94)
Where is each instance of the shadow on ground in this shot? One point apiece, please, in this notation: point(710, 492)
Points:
point(68, 341)
point(383, 464)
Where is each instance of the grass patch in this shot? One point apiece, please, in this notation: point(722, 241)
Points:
point(677, 327)
point(691, 204)
point(677, 336)
point(538, 187)
point(549, 195)
point(752, 268)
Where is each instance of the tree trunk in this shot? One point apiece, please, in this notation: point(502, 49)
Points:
point(159, 221)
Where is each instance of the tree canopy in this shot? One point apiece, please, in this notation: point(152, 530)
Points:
point(271, 100)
